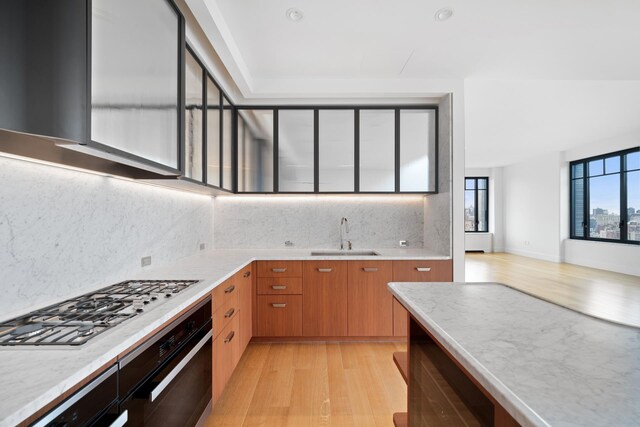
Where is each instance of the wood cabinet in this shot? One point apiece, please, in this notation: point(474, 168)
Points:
point(244, 281)
point(279, 268)
point(324, 296)
point(279, 315)
point(416, 271)
point(370, 303)
point(226, 354)
point(280, 286)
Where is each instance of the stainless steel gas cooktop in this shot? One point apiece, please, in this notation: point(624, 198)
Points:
point(77, 320)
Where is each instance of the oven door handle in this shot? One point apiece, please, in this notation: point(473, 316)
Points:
point(179, 367)
point(121, 420)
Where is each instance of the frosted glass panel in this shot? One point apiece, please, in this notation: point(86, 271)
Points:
point(193, 118)
point(213, 134)
point(377, 150)
point(134, 74)
point(295, 150)
point(336, 141)
point(417, 150)
point(227, 145)
point(255, 151)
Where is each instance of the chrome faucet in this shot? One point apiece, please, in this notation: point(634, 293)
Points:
point(344, 229)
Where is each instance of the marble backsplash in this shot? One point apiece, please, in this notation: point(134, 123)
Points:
point(64, 232)
point(314, 221)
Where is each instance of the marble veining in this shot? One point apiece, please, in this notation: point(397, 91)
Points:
point(34, 377)
point(64, 233)
point(546, 364)
point(313, 221)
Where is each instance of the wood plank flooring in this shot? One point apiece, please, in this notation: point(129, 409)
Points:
point(599, 293)
point(313, 384)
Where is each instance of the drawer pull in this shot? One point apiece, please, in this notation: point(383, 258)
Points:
point(246, 274)
point(278, 270)
point(423, 269)
point(279, 305)
point(229, 337)
point(278, 287)
point(370, 269)
point(325, 270)
point(230, 289)
point(230, 312)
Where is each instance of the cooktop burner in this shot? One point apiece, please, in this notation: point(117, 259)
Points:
point(75, 321)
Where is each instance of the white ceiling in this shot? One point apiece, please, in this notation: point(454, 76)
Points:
point(397, 49)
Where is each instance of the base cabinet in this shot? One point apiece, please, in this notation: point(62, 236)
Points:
point(369, 300)
point(324, 296)
point(279, 315)
point(226, 354)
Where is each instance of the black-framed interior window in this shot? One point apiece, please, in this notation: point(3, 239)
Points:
point(476, 204)
point(605, 197)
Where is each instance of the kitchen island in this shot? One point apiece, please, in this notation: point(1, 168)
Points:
point(541, 363)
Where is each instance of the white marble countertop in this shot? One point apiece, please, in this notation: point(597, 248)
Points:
point(545, 364)
point(33, 377)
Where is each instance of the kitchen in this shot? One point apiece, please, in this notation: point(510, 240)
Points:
point(162, 222)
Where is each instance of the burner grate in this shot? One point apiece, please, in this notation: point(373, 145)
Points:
point(77, 320)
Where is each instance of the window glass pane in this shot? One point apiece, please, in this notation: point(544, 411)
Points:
point(482, 209)
point(577, 170)
point(482, 183)
point(469, 210)
point(213, 134)
point(194, 106)
point(227, 145)
point(336, 141)
point(255, 151)
point(596, 167)
point(612, 164)
point(577, 202)
point(417, 150)
point(295, 151)
point(633, 203)
point(377, 150)
point(469, 184)
point(633, 161)
point(604, 207)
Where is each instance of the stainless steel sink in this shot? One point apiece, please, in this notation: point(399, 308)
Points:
point(344, 253)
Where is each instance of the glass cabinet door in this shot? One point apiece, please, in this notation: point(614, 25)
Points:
point(295, 151)
point(193, 117)
point(135, 55)
point(213, 133)
point(417, 150)
point(336, 150)
point(377, 150)
point(227, 144)
point(255, 151)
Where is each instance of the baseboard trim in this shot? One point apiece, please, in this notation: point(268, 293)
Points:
point(532, 254)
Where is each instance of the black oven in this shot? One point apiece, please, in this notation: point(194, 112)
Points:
point(167, 380)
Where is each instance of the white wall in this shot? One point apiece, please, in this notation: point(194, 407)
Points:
point(532, 207)
point(64, 232)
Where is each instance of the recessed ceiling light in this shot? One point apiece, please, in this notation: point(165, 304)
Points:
point(443, 14)
point(294, 15)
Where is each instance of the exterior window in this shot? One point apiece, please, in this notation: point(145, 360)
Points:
point(605, 197)
point(476, 204)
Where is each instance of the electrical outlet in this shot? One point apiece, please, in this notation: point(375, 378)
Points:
point(146, 261)
point(403, 243)
point(202, 246)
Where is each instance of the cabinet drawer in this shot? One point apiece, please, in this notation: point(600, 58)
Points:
point(423, 271)
point(279, 315)
point(226, 354)
point(223, 292)
point(223, 315)
point(279, 268)
point(280, 285)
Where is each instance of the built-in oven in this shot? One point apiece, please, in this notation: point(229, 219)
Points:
point(95, 404)
point(167, 380)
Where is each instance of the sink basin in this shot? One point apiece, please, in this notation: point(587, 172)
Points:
point(344, 253)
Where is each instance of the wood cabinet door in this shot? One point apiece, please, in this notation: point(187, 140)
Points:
point(226, 351)
point(370, 304)
point(279, 315)
point(400, 319)
point(324, 296)
point(279, 268)
point(244, 280)
point(423, 271)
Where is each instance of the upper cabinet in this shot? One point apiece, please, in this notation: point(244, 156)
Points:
point(418, 150)
point(336, 157)
point(296, 151)
point(377, 150)
point(193, 118)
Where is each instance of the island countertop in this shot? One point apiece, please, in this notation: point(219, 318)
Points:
point(545, 364)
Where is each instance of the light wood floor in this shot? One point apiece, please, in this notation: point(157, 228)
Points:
point(313, 384)
point(599, 293)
